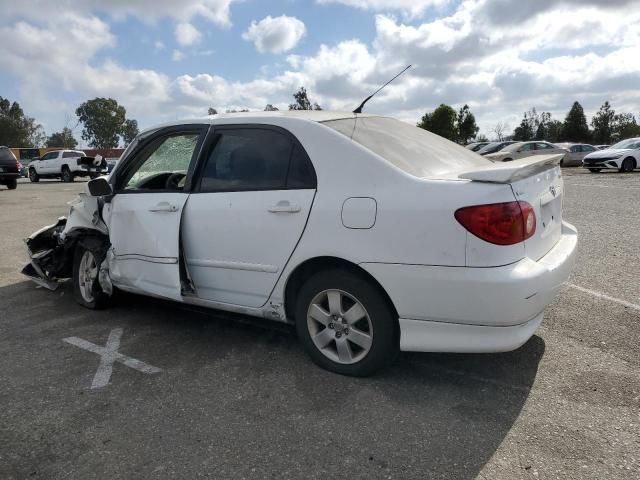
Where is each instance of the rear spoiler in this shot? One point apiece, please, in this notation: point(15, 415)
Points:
point(509, 172)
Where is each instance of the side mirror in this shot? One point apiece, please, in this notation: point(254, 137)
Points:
point(99, 187)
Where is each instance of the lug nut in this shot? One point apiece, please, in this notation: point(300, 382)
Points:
point(332, 326)
point(346, 331)
point(338, 334)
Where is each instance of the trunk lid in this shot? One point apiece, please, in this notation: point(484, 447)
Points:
point(538, 181)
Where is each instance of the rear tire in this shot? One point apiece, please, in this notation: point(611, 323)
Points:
point(33, 176)
point(345, 323)
point(86, 288)
point(12, 184)
point(595, 170)
point(628, 165)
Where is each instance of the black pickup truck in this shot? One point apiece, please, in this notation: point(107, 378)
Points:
point(9, 168)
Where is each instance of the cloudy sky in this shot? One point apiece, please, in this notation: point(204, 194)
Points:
point(169, 59)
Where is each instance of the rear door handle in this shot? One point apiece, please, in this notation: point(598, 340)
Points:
point(284, 207)
point(164, 207)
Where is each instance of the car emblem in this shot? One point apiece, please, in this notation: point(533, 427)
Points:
point(552, 189)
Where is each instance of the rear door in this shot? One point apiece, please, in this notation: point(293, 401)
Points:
point(247, 213)
point(144, 214)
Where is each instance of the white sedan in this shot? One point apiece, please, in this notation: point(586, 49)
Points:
point(526, 149)
point(624, 156)
point(368, 234)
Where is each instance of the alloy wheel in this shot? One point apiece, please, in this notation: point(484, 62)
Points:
point(87, 274)
point(339, 326)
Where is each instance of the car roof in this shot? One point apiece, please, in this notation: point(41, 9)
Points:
point(317, 116)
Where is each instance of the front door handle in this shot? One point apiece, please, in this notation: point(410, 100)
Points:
point(284, 207)
point(164, 207)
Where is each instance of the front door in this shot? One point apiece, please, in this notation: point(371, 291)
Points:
point(144, 214)
point(246, 214)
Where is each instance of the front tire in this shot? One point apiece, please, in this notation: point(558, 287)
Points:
point(86, 288)
point(66, 175)
point(628, 165)
point(33, 176)
point(12, 184)
point(345, 323)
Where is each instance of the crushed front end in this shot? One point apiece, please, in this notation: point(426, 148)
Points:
point(49, 259)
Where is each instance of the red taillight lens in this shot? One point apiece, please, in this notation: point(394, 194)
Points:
point(499, 223)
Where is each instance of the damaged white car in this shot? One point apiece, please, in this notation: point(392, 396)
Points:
point(369, 234)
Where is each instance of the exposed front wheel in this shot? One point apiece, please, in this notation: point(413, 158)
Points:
point(67, 176)
point(628, 165)
point(345, 323)
point(33, 175)
point(86, 288)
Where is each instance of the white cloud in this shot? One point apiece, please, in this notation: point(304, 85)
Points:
point(186, 34)
point(275, 35)
point(159, 45)
point(177, 55)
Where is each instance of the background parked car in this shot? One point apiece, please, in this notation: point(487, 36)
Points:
point(576, 152)
point(475, 146)
point(9, 168)
point(66, 165)
point(494, 147)
point(602, 147)
point(524, 149)
point(624, 156)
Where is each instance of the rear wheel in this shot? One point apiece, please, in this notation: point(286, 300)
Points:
point(86, 288)
point(345, 323)
point(628, 165)
point(595, 170)
point(33, 175)
point(12, 184)
point(66, 174)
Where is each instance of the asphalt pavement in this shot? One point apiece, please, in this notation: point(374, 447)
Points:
point(195, 395)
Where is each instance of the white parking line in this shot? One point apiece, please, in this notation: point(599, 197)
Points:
point(604, 296)
point(108, 355)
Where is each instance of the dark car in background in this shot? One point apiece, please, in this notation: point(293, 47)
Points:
point(494, 147)
point(9, 168)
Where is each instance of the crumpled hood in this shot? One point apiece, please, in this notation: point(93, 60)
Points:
point(608, 153)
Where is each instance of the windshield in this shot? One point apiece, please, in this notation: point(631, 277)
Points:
point(416, 151)
point(629, 143)
point(513, 147)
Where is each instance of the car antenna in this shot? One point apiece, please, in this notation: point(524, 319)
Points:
point(359, 109)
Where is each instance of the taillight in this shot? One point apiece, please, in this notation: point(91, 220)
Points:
point(499, 223)
point(18, 165)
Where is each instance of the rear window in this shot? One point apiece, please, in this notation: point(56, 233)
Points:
point(416, 151)
point(6, 154)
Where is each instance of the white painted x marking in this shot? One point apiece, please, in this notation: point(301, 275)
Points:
point(108, 356)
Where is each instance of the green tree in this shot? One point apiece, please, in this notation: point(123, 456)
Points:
point(302, 101)
point(442, 121)
point(17, 129)
point(553, 131)
point(528, 126)
point(212, 111)
point(575, 128)
point(466, 123)
point(104, 123)
point(624, 126)
point(63, 139)
point(603, 123)
point(129, 131)
point(270, 108)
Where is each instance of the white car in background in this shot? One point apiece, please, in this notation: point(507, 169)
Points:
point(525, 149)
point(575, 153)
point(368, 234)
point(66, 165)
point(624, 156)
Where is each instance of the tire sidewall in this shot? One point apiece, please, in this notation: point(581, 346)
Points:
point(12, 184)
point(66, 175)
point(33, 176)
point(384, 324)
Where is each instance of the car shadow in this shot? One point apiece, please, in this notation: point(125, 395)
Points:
point(426, 416)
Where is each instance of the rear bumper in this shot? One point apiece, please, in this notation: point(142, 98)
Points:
point(512, 296)
point(9, 175)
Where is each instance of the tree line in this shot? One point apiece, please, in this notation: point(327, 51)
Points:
point(607, 126)
point(103, 121)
